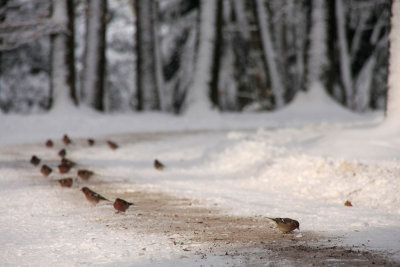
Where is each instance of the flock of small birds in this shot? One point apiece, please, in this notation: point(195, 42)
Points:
point(66, 165)
point(285, 225)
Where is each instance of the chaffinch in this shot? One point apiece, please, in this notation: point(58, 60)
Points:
point(65, 182)
point(35, 160)
point(85, 174)
point(64, 168)
point(158, 165)
point(62, 153)
point(49, 143)
point(121, 205)
point(90, 142)
point(112, 145)
point(45, 170)
point(92, 196)
point(66, 140)
point(286, 225)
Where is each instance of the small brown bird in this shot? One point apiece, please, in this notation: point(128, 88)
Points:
point(65, 182)
point(92, 196)
point(348, 203)
point(112, 145)
point(286, 225)
point(85, 174)
point(35, 160)
point(90, 142)
point(49, 143)
point(45, 170)
point(121, 205)
point(158, 165)
point(62, 153)
point(64, 168)
point(66, 140)
point(68, 162)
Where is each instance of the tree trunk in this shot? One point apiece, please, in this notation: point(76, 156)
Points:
point(149, 75)
point(62, 78)
point(93, 80)
point(393, 97)
point(270, 55)
point(344, 56)
point(318, 51)
point(198, 100)
point(217, 55)
point(3, 3)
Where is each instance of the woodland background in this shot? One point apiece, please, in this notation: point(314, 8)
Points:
point(174, 55)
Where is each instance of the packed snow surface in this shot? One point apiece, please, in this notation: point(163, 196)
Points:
point(302, 162)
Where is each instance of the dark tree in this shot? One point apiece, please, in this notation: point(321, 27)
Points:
point(94, 63)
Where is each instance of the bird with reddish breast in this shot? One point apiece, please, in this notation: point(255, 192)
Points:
point(121, 205)
point(85, 174)
point(49, 143)
point(62, 153)
point(66, 140)
point(286, 225)
point(63, 168)
point(65, 182)
point(35, 160)
point(46, 170)
point(92, 196)
point(112, 145)
point(68, 162)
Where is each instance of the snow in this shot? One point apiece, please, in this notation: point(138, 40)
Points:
point(303, 161)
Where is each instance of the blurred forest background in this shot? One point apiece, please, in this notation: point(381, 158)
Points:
point(233, 55)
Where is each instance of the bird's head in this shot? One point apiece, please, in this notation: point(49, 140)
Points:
point(297, 224)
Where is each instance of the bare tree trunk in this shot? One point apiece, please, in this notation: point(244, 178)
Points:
point(393, 97)
point(93, 81)
point(198, 100)
point(345, 61)
point(270, 54)
point(148, 59)
point(217, 55)
point(3, 3)
point(62, 78)
point(318, 49)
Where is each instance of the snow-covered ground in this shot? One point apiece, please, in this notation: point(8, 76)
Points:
point(303, 162)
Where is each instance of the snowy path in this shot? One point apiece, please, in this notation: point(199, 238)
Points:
point(207, 207)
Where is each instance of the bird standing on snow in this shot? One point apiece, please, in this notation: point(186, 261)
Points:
point(92, 196)
point(85, 174)
point(90, 142)
point(286, 225)
point(45, 170)
point(35, 160)
point(66, 140)
point(112, 145)
point(65, 182)
point(68, 162)
point(62, 153)
point(49, 143)
point(158, 165)
point(64, 168)
point(121, 205)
